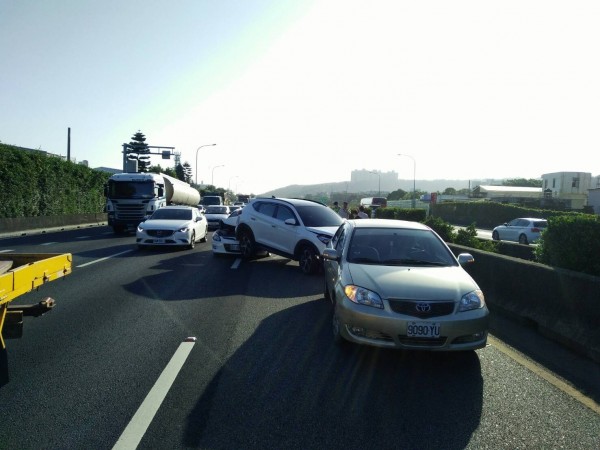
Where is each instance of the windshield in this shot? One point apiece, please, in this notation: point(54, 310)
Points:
point(216, 210)
point(130, 189)
point(172, 214)
point(398, 246)
point(318, 216)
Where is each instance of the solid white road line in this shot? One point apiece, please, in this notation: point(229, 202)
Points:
point(135, 430)
point(102, 259)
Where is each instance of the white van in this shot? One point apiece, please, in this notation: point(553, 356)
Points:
point(374, 202)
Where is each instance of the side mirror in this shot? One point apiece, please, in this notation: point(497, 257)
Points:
point(331, 254)
point(290, 221)
point(465, 258)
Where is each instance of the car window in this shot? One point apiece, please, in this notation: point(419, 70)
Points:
point(540, 224)
point(172, 214)
point(318, 216)
point(339, 244)
point(398, 246)
point(266, 208)
point(216, 210)
point(283, 213)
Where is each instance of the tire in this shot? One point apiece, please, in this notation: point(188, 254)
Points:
point(308, 260)
point(205, 235)
point(247, 244)
point(523, 239)
point(326, 294)
point(192, 241)
point(495, 236)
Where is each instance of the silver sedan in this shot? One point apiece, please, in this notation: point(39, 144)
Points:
point(396, 284)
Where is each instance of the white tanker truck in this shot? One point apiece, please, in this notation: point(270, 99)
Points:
point(132, 196)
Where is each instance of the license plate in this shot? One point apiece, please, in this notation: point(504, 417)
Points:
point(159, 241)
point(234, 248)
point(423, 329)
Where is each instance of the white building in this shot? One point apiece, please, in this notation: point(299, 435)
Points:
point(569, 187)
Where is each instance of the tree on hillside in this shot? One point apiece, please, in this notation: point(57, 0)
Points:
point(522, 182)
point(138, 150)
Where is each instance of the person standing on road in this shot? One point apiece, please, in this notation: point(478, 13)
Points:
point(344, 213)
point(361, 213)
point(336, 207)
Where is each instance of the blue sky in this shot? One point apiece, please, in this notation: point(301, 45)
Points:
point(302, 91)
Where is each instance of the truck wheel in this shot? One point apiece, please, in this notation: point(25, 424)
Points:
point(118, 229)
point(247, 244)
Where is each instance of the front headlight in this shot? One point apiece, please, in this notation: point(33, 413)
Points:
point(140, 229)
point(363, 296)
point(184, 229)
point(472, 300)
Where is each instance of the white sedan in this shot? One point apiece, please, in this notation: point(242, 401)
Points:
point(524, 230)
point(173, 225)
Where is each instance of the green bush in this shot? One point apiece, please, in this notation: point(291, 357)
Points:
point(37, 184)
point(571, 242)
point(441, 227)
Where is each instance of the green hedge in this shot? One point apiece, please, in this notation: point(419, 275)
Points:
point(36, 184)
point(571, 243)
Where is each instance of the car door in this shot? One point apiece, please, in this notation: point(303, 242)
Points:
point(262, 222)
point(199, 223)
point(283, 233)
point(514, 229)
point(332, 268)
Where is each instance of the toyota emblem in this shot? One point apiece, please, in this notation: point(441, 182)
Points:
point(423, 307)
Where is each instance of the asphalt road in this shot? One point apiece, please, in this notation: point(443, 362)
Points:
point(111, 365)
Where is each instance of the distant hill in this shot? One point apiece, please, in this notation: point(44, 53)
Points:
point(301, 190)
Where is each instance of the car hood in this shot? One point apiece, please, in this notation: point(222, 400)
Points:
point(323, 230)
point(418, 283)
point(164, 224)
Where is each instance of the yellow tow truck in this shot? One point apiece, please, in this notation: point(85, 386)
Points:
point(21, 273)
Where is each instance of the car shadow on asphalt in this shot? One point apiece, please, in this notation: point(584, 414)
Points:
point(297, 389)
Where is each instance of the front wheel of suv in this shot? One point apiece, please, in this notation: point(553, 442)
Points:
point(247, 244)
point(309, 262)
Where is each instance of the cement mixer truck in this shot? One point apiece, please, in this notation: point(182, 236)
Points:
point(132, 196)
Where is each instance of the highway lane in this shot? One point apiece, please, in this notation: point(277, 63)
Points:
point(263, 372)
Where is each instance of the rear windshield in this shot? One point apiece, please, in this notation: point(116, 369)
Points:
point(540, 223)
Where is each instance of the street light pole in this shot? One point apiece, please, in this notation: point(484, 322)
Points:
point(377, 173)
point(414, 198)
point(229, 184)
point(205, 145)
point(212, 180)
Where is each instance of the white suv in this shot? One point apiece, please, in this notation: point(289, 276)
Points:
point(294, 228)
